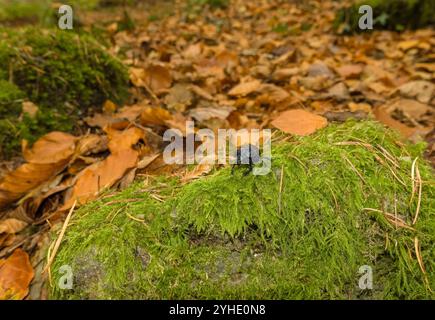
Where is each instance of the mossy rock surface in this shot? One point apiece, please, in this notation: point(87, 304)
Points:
point(63, 73)
point(239, 237)
point(388, 15)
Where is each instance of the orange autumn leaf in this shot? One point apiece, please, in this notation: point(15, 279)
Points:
point(16, 273)
point(299, 122)
point(26, 178)
point(156, 78)
point(121, 140)
point(100, 176)
point(51, 148)
point(48, 156)
point(155, 116)
point(12, 225)
point(383, 116)
point(245, 88)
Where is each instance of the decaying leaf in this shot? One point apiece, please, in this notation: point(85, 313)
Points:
point(383, 116)
point(16, 273)
point(54, 147)
point(245, 88)
point(299, 122)
point(155, 77)
point(101, 176)
point(420, 90)
point(12, 225)
point(155, 116)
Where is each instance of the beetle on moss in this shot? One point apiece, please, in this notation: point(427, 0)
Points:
point(247, 154)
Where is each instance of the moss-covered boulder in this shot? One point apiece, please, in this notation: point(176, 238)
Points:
point(343, 201)
point(63, 73)
point(388, 14)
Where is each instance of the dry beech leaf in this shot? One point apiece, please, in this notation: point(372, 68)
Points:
point(12, 225)
point(155, 116)
point(409, 107)
point(245, 88)
point(299, 122)
point(203, 114)
point(100, 176)
point(383, 116)
point(26, 178)
point(48, 156)
point(91, 143)
point(54, 147)
point(120, 140)
point(157, 78)
point(350, 70)
point(420, 90)
point(16, 273)
point(272, 94)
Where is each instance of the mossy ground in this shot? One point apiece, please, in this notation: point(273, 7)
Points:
point(63, 73)
point(389, 14)
point(230, 236)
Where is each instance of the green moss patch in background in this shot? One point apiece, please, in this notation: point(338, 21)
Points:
point(388, 14)
point(255, 237)
point(63, 73)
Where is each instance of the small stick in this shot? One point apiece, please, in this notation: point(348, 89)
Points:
point(59, 239)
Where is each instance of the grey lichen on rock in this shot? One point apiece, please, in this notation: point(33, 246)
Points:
point(233, 236)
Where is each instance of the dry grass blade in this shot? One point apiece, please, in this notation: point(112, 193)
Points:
point(420, 187)
point(393, 219)
point(418, 254)
point(413, 179)
point(59, 239)
point(354, 169)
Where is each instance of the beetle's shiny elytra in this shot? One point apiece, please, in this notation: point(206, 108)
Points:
point(247, 154)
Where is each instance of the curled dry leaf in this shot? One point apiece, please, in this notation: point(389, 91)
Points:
point(203, 114)
point(54, 147)
point(157, 78)
point(155, 116)
point(16, 273)
point(383, 116)
point(104, 174)
point(420, 90)
point(48, 156)
point(350, 70)
point(121, 140)
point(12, 225)
point(299, 122)
point(26, 178)
point(91, 143)
point(245, 88)
point(100, 176)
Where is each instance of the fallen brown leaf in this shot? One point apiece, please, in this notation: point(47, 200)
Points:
point(299, 122)
point(12, 225)
point(245, 88)
point(16, 273)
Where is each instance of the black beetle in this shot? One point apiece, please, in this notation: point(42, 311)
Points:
point(247, 154)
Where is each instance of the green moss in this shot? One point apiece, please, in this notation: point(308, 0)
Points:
point(64, 73)
point(388, 14)
point(230, 236)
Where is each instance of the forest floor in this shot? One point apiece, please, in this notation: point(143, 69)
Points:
point(241, 64)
